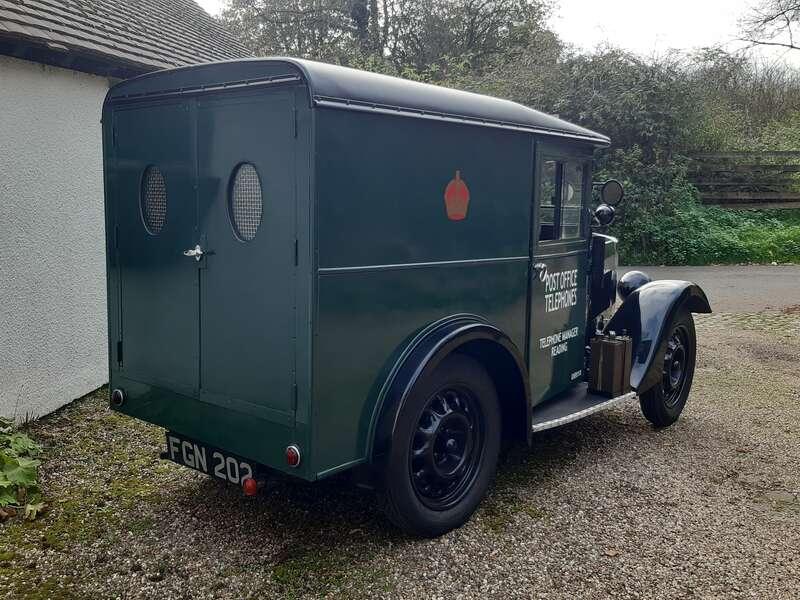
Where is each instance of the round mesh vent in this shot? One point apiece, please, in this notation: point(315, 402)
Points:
point(154, 200)
point(246, 205)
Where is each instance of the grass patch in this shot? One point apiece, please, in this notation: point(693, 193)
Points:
point(105, 486)
point(502, 507)
point(34, 588)
point(325, 571)
point(503, 504)
point(88, 500)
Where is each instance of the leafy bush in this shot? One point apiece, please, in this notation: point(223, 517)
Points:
point(19, 486)
point(661, 220)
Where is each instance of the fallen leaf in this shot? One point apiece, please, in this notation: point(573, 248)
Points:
point(612, 552)
point(33, 510)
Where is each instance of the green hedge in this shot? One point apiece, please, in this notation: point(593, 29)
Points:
point(698, 235)
point(662, 222)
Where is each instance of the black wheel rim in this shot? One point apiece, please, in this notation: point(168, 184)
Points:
point(446, 448)
point(676, 366)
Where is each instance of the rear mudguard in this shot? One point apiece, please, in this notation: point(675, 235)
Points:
point(645, 316)
point(424, 353)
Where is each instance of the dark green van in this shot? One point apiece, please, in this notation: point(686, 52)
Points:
point(313, 269)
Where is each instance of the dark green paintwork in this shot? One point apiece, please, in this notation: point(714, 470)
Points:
point(549, 374)
point(197, 358)
point(158, 287)
point(248, 351)
point(365, 319)
point(247, 319)
point(380, 205)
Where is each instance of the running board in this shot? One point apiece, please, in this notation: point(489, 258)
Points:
point(573, 406)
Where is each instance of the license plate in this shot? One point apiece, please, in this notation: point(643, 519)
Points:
point(208, 460)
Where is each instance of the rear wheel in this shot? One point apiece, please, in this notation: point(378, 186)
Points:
point(664, 402)
point(444, 450)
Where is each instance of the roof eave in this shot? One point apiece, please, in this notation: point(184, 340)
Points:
point(73, 58)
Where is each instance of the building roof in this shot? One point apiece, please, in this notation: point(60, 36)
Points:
point(117, 37)
point(344, 88)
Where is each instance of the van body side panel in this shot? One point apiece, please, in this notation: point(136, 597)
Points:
point(392, 259)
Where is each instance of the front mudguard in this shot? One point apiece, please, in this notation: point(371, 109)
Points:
point(645, 315)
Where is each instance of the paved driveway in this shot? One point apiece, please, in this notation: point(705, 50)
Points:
point(739, 288)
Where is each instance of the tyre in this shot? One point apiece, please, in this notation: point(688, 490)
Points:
point(444, 451)
point(664, 402)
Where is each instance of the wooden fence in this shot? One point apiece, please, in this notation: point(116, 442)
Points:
point(740, 180)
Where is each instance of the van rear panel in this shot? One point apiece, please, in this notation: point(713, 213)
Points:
point(202, 224)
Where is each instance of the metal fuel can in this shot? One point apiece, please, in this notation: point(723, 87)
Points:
point(610, 365)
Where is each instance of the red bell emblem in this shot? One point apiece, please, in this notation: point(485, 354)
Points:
point(456, 198)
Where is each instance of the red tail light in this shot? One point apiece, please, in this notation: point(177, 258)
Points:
point(292, 456)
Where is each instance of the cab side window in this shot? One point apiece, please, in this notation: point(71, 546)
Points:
point(551, 171)
point(561, 200)
point(572, 201)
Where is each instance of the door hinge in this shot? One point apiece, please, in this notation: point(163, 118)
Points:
point(294, 118)
point(296, 253)
point(119, 352)
point(294, 396)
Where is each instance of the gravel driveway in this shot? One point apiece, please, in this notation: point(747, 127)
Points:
point(602, 508)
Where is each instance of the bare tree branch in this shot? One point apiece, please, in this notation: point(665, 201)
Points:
point(772, 23)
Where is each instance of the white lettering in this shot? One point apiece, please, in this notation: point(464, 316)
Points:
point(200, 458)
point(173, 447)
point(219, 464)
point(560, 290)
point(557, 338)
point(559, 342)
point(188, 459)
point(232, 469)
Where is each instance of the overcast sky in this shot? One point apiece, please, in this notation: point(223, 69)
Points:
point(643, 26)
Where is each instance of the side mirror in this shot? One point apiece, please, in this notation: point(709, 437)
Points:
point(604, 215)
point(612, 192)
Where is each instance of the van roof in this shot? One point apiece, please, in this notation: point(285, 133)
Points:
point(345, 88)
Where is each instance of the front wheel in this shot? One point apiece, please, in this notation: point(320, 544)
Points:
point(664, 402)
point(444, 450)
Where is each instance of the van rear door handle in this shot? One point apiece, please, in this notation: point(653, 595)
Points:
point(197, 252)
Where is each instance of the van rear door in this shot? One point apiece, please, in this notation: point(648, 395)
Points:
point(246, 157)
point(205, 210)
point(156, 220)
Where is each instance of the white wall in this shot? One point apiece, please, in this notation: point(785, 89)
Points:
point(52, 266)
